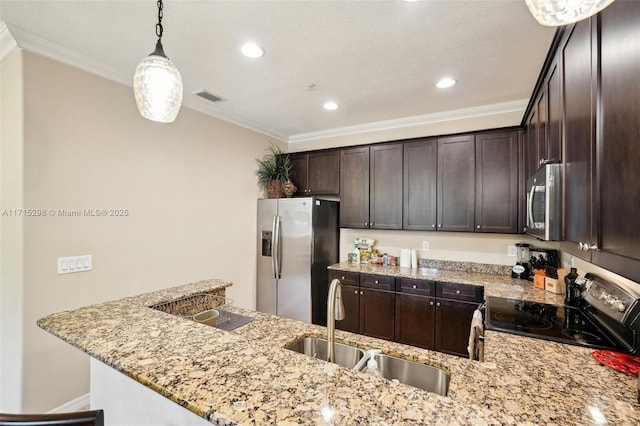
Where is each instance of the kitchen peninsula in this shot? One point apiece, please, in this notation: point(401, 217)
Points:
point(247, 377)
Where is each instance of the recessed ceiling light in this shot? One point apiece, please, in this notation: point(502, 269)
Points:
point(445, 82)
point(252, 50)
point(330, 105)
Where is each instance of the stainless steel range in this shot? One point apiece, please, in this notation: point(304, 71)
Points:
point(608, 317)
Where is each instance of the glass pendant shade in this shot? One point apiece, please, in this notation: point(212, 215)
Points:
point(555, 13)
point(157, 87)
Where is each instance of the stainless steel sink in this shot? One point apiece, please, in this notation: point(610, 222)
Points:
point(316, 347)
point(426, 377)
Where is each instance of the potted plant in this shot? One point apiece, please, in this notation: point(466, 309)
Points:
point(274, 172)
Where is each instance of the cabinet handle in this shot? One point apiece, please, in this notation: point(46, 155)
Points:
point(342, 278)
point(366, 224)
point(433, 225)
point(431, 303)
point(457, 291)
point(371, 224)
point(355, 292)
point(361, 293)
point(438, 304)
point(376, 282)
point(477, 226)
point(440, 225)
point(586, 247)
point(309, 190)
point(414, 286)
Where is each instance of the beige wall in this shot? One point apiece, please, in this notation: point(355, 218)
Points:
point(11, 172)
point(189, 188)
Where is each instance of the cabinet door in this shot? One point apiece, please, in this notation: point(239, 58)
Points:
point(553, 148)
point(531, 144)
point(351, 301)
point(377, 310)
point(299, 173)
point(541, 106)
point(497, 182)
point(579, 149)
point(354, 187)
point(419, 185)
point(453, 322)
point(324, 172)
point(456, 183)
point(619, 141)
point(386, 187)
point(415, 320)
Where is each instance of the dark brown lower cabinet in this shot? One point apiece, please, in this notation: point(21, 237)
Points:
point(377, 310)
point(453, 321)
point(415, 320)
point(351, 301)
point(421, 313)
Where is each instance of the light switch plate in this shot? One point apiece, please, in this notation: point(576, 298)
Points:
point(425, 245)
point(511, 251)
point(69, 265)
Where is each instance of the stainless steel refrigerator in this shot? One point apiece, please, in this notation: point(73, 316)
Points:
point(297, 239)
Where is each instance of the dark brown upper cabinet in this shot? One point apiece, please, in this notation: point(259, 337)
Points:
point(385, 176)
point(316, 172)
point(419, 185)
point(496, 205)
point(371, 187)
point(579, 139)
point(619, 140)
point(354, 187)
point(551, 151)
point(456, 183)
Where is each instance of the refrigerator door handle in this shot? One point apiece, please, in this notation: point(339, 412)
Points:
point(277, 249)
point(274, 248)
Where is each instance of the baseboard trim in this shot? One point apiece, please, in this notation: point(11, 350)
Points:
point(78, 404)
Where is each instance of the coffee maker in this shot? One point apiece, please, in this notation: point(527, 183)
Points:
point(521, 269)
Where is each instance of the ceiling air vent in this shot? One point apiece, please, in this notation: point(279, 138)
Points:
point(208, 96)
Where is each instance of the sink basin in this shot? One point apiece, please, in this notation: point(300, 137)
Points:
point(316, 347)
point(422, 376)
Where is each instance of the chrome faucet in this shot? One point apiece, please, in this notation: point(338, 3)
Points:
point(335, 311)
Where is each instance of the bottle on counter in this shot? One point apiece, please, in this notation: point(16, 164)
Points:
point(355, 256)
point(385, 259)
point(573, 289)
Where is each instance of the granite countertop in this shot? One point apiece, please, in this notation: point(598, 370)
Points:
point(245, 376)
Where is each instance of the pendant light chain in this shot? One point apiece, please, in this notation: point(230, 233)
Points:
point(160, 15)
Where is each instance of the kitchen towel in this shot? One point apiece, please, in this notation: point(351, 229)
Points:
point(476, 336)
point(405, 258)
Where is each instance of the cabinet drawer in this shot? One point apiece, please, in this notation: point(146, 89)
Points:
point(421, 287)
point(470, 293)
point(347, 278)
point(381, 282)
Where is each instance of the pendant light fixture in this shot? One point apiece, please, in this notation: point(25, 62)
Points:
point(157, 85)
point(555, 13)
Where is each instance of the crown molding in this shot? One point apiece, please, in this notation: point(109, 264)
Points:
point(417, 120)
point(7, 42)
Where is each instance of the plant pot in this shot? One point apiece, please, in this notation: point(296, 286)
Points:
point(274, 189)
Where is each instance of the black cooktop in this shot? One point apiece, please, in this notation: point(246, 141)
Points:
point(564, 324)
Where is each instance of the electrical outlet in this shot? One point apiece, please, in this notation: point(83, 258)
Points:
point(511, 251)
point(69, 265)
point(425, 245)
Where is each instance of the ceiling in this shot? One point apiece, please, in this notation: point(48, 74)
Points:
point(379, 60)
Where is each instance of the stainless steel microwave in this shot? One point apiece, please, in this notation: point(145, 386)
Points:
point(544, 203)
